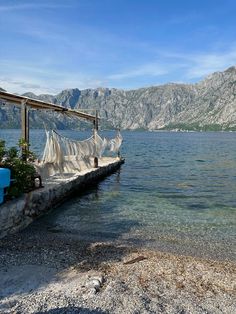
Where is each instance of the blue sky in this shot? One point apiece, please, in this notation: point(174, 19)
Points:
point(47, 46)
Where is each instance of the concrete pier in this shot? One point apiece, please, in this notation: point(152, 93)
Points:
point(19, 213)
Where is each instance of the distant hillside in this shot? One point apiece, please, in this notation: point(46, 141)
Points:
point(208, 105)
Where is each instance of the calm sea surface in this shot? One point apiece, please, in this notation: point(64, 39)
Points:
point(176, 193)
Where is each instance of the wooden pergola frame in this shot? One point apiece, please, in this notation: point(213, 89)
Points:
point(26, 103)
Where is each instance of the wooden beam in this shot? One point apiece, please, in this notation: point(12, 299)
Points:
point(38, 104)
point(25, 128)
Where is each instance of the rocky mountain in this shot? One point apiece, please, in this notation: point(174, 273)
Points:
point(209, 104)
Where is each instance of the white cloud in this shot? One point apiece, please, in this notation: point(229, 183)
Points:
point(150, 69)
point(198, 65)
point(24, 84)
point(55, 83)
point(49, 76)
point(203, 65)
point(29, 6)
point(186, 66)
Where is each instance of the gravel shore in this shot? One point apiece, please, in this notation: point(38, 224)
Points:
point(49, 272)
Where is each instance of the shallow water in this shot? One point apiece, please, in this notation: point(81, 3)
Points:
point(176, 192)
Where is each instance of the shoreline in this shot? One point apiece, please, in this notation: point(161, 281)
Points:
point(18, 213)
point(54, 273)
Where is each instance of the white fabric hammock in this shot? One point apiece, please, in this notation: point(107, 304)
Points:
point(63, 155)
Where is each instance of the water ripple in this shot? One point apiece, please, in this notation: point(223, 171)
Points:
point(176, 192)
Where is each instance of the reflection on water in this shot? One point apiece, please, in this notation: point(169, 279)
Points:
point(176, 192)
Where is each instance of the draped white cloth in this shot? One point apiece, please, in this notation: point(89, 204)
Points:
point(115, 143)
point(65, 155)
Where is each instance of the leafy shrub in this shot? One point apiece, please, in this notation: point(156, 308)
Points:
point(22, 172)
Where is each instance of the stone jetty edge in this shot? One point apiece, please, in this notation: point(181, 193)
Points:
point(19, 213)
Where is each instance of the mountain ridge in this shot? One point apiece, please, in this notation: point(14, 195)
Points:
point(208, 104)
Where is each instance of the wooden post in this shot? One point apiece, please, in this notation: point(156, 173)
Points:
point(95, 123)
point(118, 153)
point(24, 128)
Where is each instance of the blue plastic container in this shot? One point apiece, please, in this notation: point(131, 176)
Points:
point(5, 179)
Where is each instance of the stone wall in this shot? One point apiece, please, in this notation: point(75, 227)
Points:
point(17, 214)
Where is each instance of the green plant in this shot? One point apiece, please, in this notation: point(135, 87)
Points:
point(22, 172)
point(2, 149)
point(26, 152)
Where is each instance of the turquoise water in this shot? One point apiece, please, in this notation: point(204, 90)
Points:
point(176, 193)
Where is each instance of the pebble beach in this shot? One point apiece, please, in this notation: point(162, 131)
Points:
point(48, 272)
